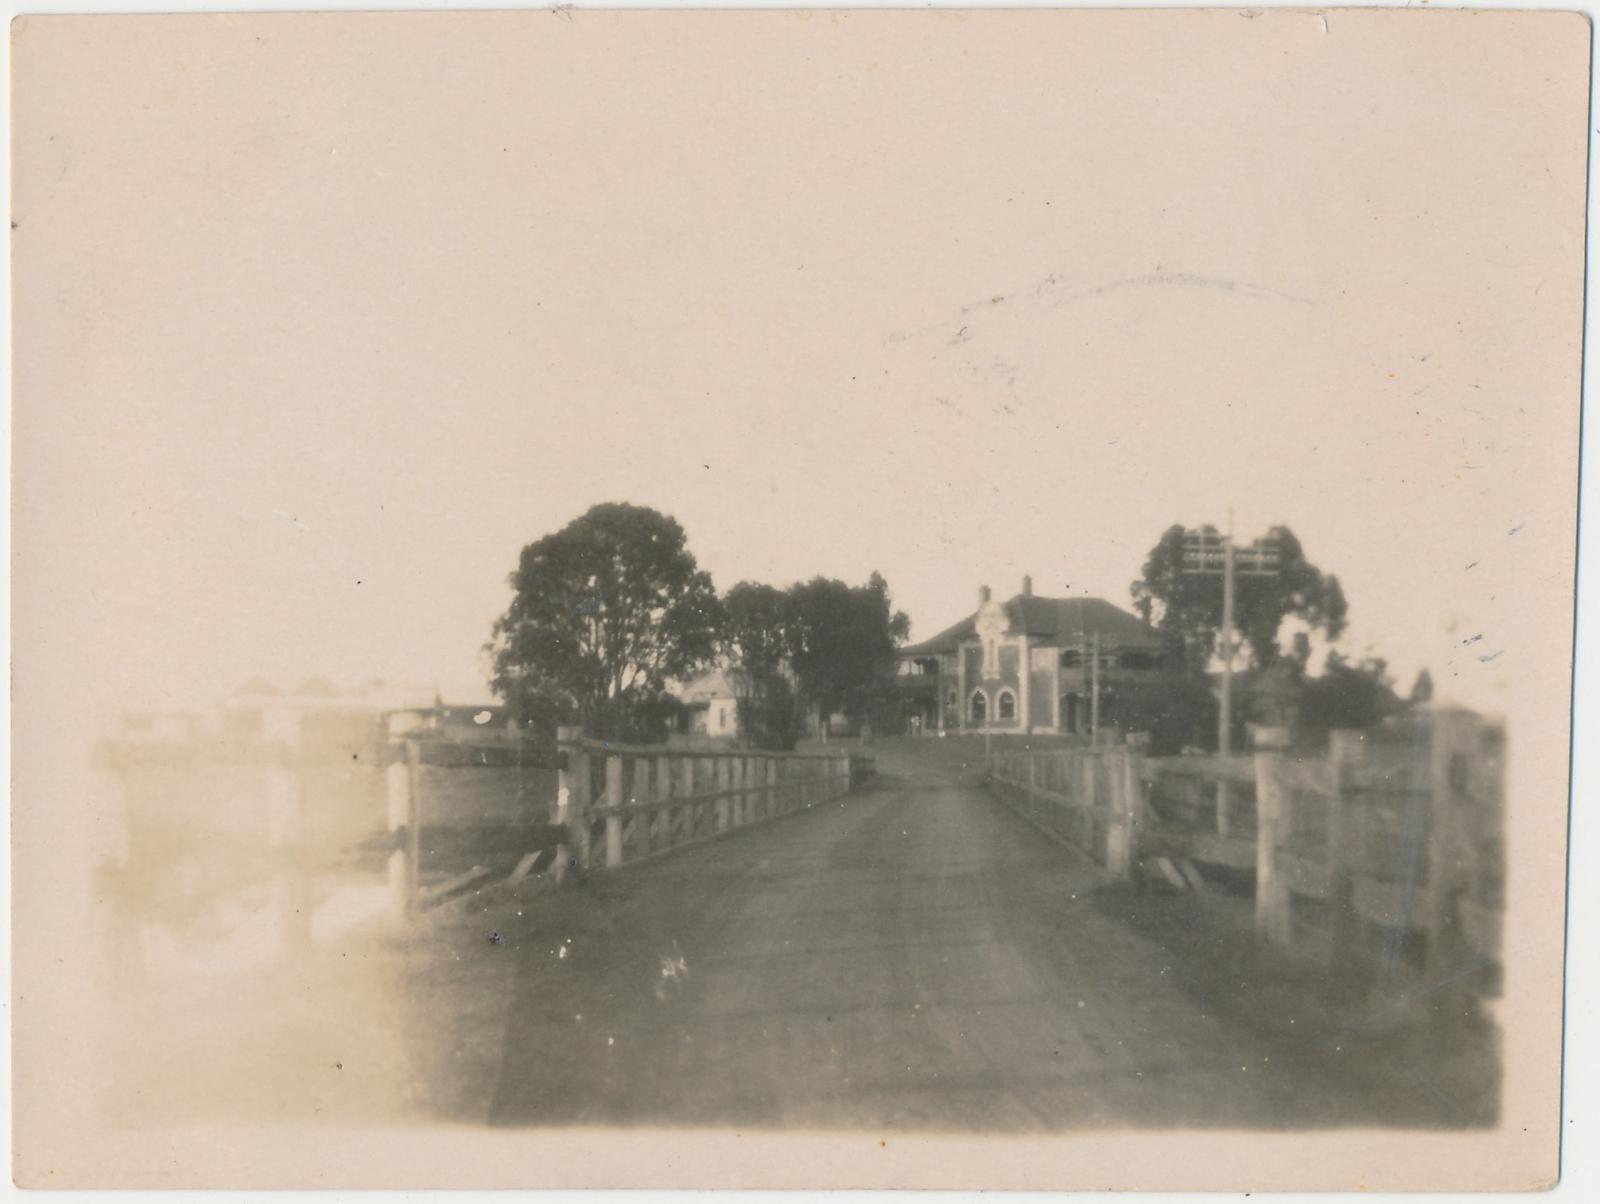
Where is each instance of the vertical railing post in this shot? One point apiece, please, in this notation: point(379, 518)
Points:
point(687, 789)
point(1117, 861)
point(402, 814)
point(1127, 812)
point(1093, 764)
point(1138, 805)
point(703, 780)
point(737, 809)
point(1061, 782)
point(414, 828)
point(1346, 749)
point(572, 800)
point(635, 818)
point(774, 807)
point(1273, 919)
point(1089, 772)
point(724, 777)
point(613, 811)
point(663, 792)
point(1453, 753)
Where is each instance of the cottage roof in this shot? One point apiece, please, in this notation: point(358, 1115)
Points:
point(711, 684)
point(1063, 622)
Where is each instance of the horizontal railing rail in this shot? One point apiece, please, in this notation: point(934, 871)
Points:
point(621, 803)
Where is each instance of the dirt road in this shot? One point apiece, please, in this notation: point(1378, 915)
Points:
point(912, 956)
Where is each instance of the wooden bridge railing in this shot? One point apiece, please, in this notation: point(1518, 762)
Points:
point(621, 803)
point(1373, 852)
point(287, 816)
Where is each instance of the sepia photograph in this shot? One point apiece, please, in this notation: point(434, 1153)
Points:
point(959, 599)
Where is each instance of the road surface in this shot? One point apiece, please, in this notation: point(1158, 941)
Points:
point(913, 956)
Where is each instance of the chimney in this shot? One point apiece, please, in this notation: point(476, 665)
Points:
point(983, 594)
point(1027, 587)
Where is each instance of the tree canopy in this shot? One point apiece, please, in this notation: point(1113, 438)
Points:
point(1349, 694)
point(820, 644)
point(759, 633)
point(605, 612)
point(846, 639)
point(759, 637)
point(1187, 607)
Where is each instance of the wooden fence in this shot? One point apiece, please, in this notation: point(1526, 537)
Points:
point(622, 803)
point(1383, 853)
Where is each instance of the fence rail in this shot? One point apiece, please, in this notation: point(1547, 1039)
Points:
point(1391, 853)
point(622, 803)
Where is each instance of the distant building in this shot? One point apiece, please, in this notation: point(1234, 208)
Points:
point(711, 708)
point(315, 712)
point(1026, 665)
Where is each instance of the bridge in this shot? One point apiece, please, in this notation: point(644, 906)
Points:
point(916, 954)
point(925, 934)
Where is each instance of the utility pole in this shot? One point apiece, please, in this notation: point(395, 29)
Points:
point(1205, 553)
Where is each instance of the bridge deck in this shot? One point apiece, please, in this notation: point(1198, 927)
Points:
point(912, 956)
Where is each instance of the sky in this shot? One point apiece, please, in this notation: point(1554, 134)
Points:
point(317, 338)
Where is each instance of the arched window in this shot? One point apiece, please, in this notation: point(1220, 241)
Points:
point(1006, 705)
point(978, 706)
